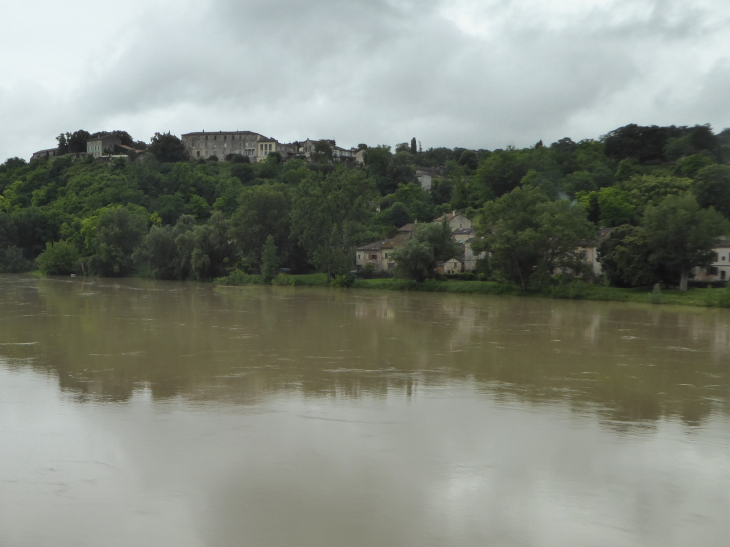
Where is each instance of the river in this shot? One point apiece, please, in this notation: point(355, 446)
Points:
point(172, 414)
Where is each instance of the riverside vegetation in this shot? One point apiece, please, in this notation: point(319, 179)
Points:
point(664, 190)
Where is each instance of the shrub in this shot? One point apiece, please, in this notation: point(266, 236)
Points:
point(343, 281)
point(239, 277)
point(284, 280)
point(60, 258)
point(12, 260)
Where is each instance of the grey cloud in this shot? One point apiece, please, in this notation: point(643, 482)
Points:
point(383, 71)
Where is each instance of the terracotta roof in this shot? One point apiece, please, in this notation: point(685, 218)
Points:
point(392, 243)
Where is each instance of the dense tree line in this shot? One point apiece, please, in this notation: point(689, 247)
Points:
point(664, 190)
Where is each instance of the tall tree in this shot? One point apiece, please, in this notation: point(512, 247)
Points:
point(528, 236)
point(168, 148)
point(328, 215)
point(681, 235)
point(430, 244)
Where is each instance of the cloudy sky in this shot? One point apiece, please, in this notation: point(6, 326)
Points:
point(471, 73)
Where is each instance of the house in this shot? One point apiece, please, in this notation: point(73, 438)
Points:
point(380, 253)
point(255, 146)
point(460, 235)
point(424, 179)
point(44, 154)
point(719, 270)
point(451, 266)
point(102, 144)
point(455, 220)
point(590, 250)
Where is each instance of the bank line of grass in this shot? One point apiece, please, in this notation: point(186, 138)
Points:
point(576, 290)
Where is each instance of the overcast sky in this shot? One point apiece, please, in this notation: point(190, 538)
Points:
point(470, 73)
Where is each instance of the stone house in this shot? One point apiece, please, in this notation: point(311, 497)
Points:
point(44, 154)
point(246, 143)
point(456, 221)
point(102, 144)
point(451, 266)
point(590, 250)
point(380, 253)
point(719, 270)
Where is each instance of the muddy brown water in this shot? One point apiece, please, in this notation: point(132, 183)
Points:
point(172, 414)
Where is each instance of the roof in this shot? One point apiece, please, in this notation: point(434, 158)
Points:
point(46, 150)
point(195, 133)
point(408, 227)
point(454, 258)
point(392, 243)
point(460, 231)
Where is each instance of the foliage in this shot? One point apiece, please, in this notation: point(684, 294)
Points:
point(712, 188)
point(60, 258)
point(284, 280)
point(12, 260)
point(429, 245)
point(681, 235)
point(167, 147)
point(117, 234)
point(529, 237)
point(264, 211)
point(239, 277)
point(270, 262)
point(328, 215)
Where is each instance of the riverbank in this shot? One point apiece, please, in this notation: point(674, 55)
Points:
point(575, 290)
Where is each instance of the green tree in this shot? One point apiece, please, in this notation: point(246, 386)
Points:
point(117, 234)
point(430, 244)
point(269, 260)
point(712, 188)
point(12, 260)
point(60, 258)
point(263, 211)
point(681, 235)
point(168, 148)
point(529, 237)
point(328, 215)
point(626, 258)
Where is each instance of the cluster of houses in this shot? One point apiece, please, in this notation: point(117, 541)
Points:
point(221, 144)
point(379, 254)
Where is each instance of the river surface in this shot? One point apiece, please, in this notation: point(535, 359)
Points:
point(172, 414)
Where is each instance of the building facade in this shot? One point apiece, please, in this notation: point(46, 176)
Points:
point(44, 154)
point(102, 145)
point(257, 147)
point(719, 270)
point(379, 254)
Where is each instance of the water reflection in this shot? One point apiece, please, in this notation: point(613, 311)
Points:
point(105, 339)
point(139, 413)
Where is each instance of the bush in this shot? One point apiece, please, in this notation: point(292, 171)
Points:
point(60, 258)
point(284, 280)
point(482, 277)
point(239, 277)
point(12, 260)
point(343, 281)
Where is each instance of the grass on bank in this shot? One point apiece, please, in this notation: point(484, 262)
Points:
point(575, 290)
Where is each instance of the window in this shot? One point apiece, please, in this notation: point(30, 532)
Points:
point(215, 137)
point(373, 257)
point(198, 153)
point(206, 137)
point(722, 275)
point(712, 270)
